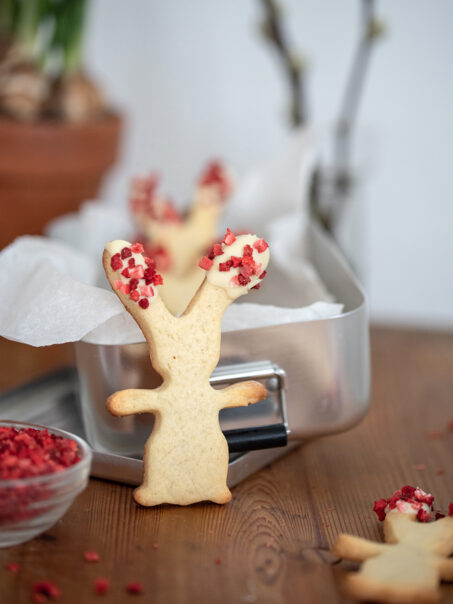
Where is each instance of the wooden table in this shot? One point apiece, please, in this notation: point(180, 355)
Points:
point(271, 543)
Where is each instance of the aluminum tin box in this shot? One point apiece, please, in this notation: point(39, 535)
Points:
point(317, 374)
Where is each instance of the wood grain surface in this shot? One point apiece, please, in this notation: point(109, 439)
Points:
point(271, 543)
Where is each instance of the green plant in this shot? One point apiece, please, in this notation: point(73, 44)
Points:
point(41, 61)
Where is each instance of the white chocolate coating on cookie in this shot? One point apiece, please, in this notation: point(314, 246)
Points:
point(225, 279)
point(120, 282)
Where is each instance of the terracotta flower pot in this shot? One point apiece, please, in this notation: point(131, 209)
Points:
point(49, 168)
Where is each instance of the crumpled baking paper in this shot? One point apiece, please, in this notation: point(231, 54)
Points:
point(53, 290)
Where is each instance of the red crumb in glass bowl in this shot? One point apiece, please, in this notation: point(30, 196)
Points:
point(28, 452)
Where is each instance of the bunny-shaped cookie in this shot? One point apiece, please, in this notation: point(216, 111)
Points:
point(186, 456)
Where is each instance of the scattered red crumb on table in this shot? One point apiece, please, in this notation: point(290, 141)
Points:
point(91, 556)
point(420, 466)
point(48, 589)
point(440, 472)
point(218, 561)
point(134, 587)
point(13, 567)
point(101, 586)
point(155, 546)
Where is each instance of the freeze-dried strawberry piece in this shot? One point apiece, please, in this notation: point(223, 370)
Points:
point(91, 556)
point(236, 260)
point(248, 250)
point(137, 272)
point(146, 290)
point(263, 274)
point(131, 262)
point(133, 284)
point(229, 238)
point(423, 516)
point(407, 492)
point(13, 567)
point(158, 280)
point(225, 266)
point(126, 273)
point(116, 263)
point(205, 263)
point(246, 270)
point(243, 280)
point(257, 286)
point(450, 509)
point(134, 295)
point(126, 253)
point(215, 174)
point(143, 303)
point(379, 508)
point(134, 587)
point(260, 245)
point(423, 497)
point(101, 586)
point(48, 589)
point(137, 248)
point(149, 262)
point(216, 250)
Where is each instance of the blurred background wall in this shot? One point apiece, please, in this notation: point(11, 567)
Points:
point(196, 80)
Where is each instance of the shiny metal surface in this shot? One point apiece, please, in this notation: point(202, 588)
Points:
point(325, 362)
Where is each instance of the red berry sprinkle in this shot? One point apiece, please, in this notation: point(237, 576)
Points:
point(143, 303)
point(423, 516)
point(32, 452)
point(131, 262)
point(205, 263)
point(247, 251)
point(214, 174)
point(158, 280)
point(126, 253)
point(116, 263)
point(13, 567)
point(125, 273)
point(101, 586)
point(260, 245)
point(225, 266)
point(137, 248)
point(229, 238)
point(48, 589)
point(134, 295)
point(91, 556)
point(133, 284)
point(134, 587)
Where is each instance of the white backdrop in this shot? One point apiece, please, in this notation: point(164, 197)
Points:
point(196, 80)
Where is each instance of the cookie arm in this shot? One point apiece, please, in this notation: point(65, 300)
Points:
point(241, 394)
point(128, 402)
point(356, 549)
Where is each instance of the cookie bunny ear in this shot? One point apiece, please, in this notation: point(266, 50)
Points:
point(214, 186)
point(134, 279)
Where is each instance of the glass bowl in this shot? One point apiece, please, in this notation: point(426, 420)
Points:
point(30, 506)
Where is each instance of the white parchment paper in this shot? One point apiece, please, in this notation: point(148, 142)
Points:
point(52, 289)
